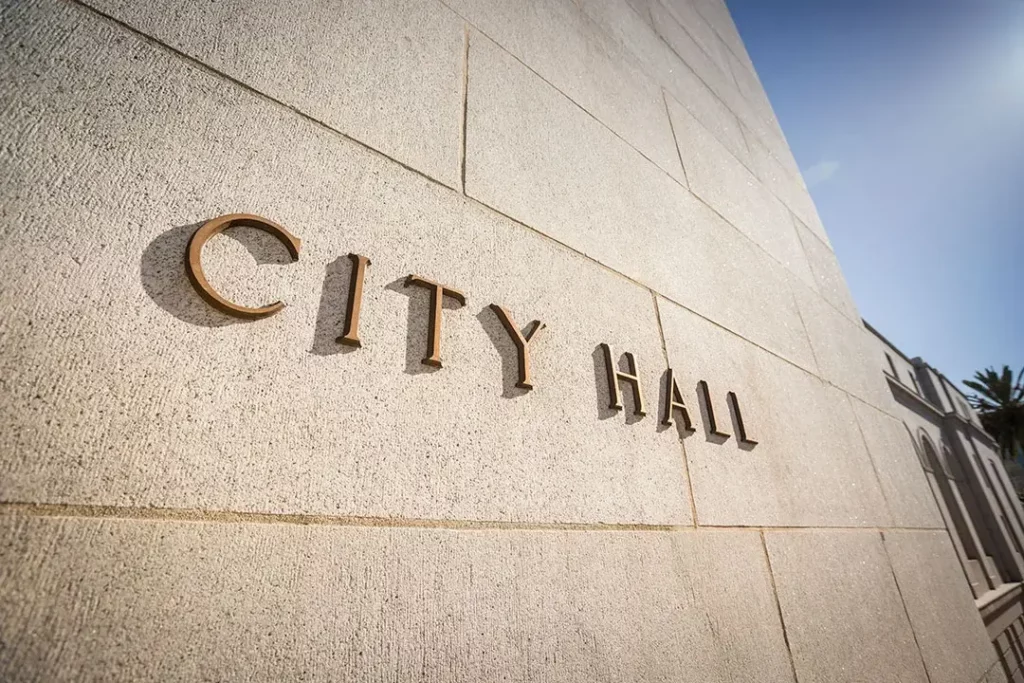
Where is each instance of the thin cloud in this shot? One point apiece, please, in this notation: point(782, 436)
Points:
point(820, 172)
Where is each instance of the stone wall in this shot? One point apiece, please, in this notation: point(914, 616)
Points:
point(185, 496)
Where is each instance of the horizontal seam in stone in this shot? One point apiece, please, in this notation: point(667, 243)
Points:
point(128, 513)
point(300, 519)
point(203, 66)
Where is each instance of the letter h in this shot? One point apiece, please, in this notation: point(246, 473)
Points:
point(615, 376)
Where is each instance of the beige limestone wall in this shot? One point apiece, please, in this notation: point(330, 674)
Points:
point(184, 496)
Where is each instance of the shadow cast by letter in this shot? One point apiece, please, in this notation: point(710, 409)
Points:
point(330, 317)
point(506, 349)
point(418, 326)
point(162, 272)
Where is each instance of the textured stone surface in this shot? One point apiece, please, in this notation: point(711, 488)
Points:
point(640, 8)
point(387, 73)
point(790, 187)
point(639, 38)
point(809, 468)
point(730, 188)
point(713, 114)
point(846, 352)
point(126, 600)
point(536, 157)
point(910, 501)
point(828, 277)
point(683, 26)
point(750, 89)
point(717, 15)
point(122, 387)
point(949, 630)
point(763, 164)
point(684, 67)
point(772, 161)
point(777, 163)
point(996, 675)
point(784, 180)
point(1015, 675)
point(841, 609)
point(558, 41)
point(699, 30)
point(716, 76)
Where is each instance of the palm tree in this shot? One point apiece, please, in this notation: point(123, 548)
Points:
point(1000, 405)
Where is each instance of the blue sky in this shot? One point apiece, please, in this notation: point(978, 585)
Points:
point(907, 119)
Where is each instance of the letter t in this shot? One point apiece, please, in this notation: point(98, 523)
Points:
point(436, 293)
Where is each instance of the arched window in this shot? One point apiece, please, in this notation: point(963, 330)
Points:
point(930, 454)
point(917, 450)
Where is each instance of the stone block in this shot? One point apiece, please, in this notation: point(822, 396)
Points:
point(779, 156)
point(749, 86)
point(718, 16)
point(718, 178)
point(809, 467)
point(772, 162)
point(907, 494)
point(844, 619)
point(534, 156)
point(845, 351)
point(781, 178)
point(716, 76)
point(559, 42)
point(637, 36)
point(699, 30)
point(386, 73)
point(122, 387)
point(949, 630)
point(710, 112)
point(828, 276)
point(795, 195)
point(767, 158)
point(121, 600)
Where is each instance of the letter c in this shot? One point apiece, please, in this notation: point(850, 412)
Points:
point(194, 266)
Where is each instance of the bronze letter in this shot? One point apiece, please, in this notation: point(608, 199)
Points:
point(522, 343)
point(615, 376)
point(194, 265)
point(702, 386)
point(355, 301)
point(674, 401)
point(741, 430)
point(436, 292)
